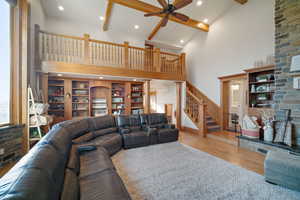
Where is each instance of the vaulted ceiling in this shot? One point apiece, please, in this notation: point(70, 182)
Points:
point(123, 19)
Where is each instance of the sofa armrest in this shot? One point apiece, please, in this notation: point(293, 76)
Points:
point(124, 131)
point(171, 126)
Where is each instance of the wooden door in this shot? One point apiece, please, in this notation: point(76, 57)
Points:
point(169, 112)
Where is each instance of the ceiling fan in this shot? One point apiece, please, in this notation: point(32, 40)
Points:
point(169, 9)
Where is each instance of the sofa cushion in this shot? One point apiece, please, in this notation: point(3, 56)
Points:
point(126, 121)
point(103, 186)
point(84, 138)
point(92, 162)
point(35, 171)
point(60, 139)
point(73, 162)
point(23, 184)
point(136, 139)
point(76, 127)
point(71, 186)
point(111, 142)
point(105, 131)
point(158, 126)
point(157, 118)
point(167, 135)
point(102, 122)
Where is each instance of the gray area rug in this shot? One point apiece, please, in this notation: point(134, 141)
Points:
point(174, 171)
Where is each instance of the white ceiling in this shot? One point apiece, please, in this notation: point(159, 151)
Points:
point(123, 19)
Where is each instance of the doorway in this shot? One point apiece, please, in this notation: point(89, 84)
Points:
point(233, 101)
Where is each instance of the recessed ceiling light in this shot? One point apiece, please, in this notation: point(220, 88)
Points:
point(59, 74)
point(61, 8)
point(101, 18)
point(134, 79)
point(136, 26)
point(100, 77)
point(205, 20)
point(181, 41)
point(199, 3)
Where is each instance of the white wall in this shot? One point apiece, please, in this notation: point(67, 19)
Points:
point(235, 41)
point(74, 28)
point(165, 94)
point(37, 16)
point(242, 36)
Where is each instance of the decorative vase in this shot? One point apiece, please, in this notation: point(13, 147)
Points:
point(268, 132)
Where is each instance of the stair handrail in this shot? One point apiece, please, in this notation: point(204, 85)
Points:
point(197, 114)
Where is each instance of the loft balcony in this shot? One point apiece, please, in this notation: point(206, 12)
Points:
point(58, 53)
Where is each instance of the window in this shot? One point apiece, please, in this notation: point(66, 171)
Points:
point(5, 68)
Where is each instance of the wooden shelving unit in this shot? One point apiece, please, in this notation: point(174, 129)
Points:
point(261, 86)
point(137, 100)
point(118, 98)
point(71, 98)
point(80, 99)
point(56, 91)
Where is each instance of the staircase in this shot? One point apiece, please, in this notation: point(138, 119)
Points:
point(203, 112)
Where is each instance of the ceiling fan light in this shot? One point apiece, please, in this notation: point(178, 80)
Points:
point(200, 25)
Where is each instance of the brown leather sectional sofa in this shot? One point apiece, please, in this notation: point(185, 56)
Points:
point(73, 160)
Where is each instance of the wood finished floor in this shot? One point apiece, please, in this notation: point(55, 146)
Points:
point(242, 157)
point(247, 159)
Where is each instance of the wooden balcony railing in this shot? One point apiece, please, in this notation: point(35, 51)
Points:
point(195, 108)
point(56, 48)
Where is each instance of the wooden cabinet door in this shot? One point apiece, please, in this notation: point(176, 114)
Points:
point(68, 99)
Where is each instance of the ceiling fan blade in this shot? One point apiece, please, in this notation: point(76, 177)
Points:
point(163, 3)
point(182, 3)
point(153, 14)
point(165, 21)
point(180, 16)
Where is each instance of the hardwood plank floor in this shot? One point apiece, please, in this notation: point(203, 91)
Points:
point(242, 157)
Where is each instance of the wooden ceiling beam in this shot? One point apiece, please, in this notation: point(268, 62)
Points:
point(148, 8)
point(108, 12)
point(242, 1)
point(155, 30)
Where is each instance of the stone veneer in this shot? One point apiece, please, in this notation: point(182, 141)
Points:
point(287, 35)
point(11, 143)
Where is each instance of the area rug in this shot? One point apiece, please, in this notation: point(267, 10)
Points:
point(174, 171)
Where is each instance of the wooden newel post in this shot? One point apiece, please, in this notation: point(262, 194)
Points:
point(157, 60)
point(37, 54)
point(86, 58)
point(201, 117)
point(182, 64)
point(126, 54)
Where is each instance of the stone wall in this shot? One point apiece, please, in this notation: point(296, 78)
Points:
point(10, 144)
point(287, 35)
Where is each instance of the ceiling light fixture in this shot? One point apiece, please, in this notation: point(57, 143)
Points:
point(59, 74)
point(134, 79)
point(136, 26)
point(205, 20)
point(199, 3)
point(200, 25)
point(181, 41)
point(101, 18)
point(61, 8)
point(100, 77)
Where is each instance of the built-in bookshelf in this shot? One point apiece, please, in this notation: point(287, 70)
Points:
point(261, 87)
point(80, 98)
point(137, 101)
point(118, 98)
point(56, 97)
